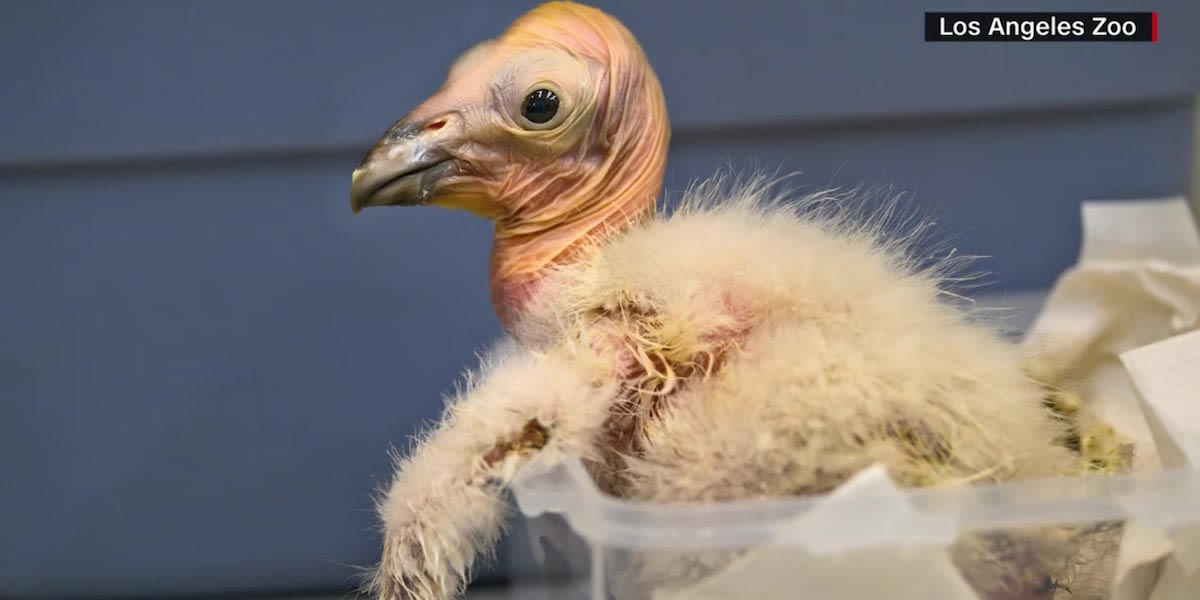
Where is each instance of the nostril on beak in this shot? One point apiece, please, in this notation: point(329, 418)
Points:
point(436, 125)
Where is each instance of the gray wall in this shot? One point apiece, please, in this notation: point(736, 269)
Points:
point(204, 356)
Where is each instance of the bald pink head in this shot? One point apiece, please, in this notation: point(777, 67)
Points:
point(557, 131)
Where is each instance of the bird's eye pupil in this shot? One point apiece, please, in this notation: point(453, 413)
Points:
point(540, 106)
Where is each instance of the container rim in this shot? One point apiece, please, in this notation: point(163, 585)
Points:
point(1165, 499)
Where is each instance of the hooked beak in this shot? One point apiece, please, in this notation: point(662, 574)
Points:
point(407, 166)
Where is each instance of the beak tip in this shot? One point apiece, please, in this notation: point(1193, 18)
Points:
point(402, 169)
point(356, 196)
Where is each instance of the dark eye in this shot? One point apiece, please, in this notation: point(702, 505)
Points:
point(540, 106)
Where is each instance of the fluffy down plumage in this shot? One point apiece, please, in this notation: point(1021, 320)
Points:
point(787, 352)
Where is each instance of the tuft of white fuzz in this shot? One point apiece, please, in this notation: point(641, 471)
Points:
point(836, 350)
point(445, 506)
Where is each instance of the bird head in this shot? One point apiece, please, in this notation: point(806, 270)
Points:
point(556, 131)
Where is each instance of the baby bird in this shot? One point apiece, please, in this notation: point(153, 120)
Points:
point(737, 347)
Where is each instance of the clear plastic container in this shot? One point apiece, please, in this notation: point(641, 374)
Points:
point(1053, 538)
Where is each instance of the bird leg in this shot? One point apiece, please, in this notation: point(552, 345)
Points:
point(446, 505)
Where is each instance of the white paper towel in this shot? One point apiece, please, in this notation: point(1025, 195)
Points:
point(1167, 377)
point(1137, 282)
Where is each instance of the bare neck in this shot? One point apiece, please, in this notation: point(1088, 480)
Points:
point(525, 248)
point(559, 210)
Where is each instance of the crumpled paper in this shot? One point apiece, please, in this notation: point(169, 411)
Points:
point(1167, 377)
point(1137, 282)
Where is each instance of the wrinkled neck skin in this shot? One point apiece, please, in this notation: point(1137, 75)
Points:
point(607, 181)
point(544, 235)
